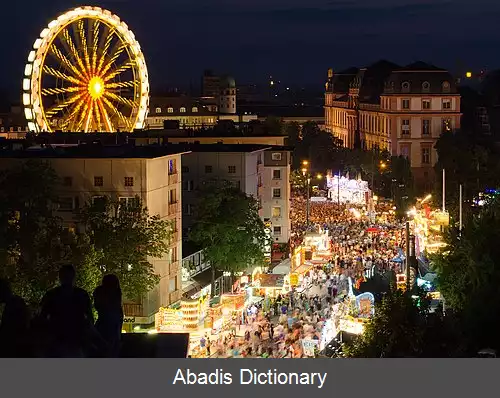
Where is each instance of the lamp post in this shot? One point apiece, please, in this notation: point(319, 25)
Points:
point(305, 173)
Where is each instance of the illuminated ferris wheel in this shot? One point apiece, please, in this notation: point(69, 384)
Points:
point(87, 73)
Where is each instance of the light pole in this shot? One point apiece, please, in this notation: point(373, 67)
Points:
point(305, 173)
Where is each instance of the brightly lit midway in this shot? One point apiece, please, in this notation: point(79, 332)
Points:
point(87, 73)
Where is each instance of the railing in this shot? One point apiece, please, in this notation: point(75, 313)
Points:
point(132, 309)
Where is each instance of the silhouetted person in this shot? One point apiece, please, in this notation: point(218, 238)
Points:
point(67, 314)
point(15, 324)
point(108, 304)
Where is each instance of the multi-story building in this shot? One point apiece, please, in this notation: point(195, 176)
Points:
point(122, 173)
point(13, 124)
point(403, 110)
point(258, 170)
point(188, 111)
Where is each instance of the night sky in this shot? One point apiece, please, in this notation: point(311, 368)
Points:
point(294, 40)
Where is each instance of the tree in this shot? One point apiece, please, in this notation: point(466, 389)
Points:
point(469, 276)
point(228, 228)
point(33, 243)
point(395, 331)
point(122, 239)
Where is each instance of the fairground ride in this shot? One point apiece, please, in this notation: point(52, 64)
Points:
point(86, 73)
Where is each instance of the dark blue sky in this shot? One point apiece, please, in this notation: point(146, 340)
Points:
point(294, 40)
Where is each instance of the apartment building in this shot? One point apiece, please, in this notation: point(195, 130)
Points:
point(403, 110)
point(122, 173)
point(258, 170)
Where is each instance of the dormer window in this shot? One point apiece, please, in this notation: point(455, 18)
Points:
point(183, 110)
point(405, 87)
point(158, 110)
point(426, 87)
point(195, 109)
point(170, 110)
point(446, 87)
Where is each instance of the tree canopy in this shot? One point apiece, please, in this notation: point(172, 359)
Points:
point(228, 228)
point(35, 242)
point(469, 275)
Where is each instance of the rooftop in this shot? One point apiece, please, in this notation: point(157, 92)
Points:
point(249, 148)
point(94, 151)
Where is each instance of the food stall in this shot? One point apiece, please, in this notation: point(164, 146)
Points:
point(268, 285)
point(190, 309)
point(169, 320)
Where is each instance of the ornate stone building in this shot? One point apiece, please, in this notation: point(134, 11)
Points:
point(402, 110)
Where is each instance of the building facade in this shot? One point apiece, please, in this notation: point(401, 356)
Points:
point(403, 110)
point(260, 171)
point(153, 177)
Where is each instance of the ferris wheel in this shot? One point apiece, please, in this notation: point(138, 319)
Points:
point(86, 73)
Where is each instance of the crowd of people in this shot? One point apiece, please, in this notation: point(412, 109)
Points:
point(360, 248)
point(64, 326)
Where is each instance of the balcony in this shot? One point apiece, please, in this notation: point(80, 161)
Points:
point(173, 178)
point(132, 310)
point(173, 208)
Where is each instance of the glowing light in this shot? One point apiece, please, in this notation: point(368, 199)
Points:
point(93, 50)
point(468, 75)
point(96, 87)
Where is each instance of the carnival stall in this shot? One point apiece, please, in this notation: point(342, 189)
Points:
point(169, 320)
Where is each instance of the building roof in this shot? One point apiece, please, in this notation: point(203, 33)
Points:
point(240, 148)
point(93, 151)
point(385, 77)
point(192, 106)
point(420, 78)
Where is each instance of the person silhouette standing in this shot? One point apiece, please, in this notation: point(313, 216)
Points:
point(67, 316)
point(108, 304)
point(14, 327)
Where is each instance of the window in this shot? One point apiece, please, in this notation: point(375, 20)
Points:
point(276, 230)
point(276, 212)
point(170, 110)
point(231, 169)
point(405, 127)
point(237, 184)
point(446, 87)
point(185, 169)
point(66, 204)
point(276, 192)
point(67, 181)
point(172, 197)
point(405, 87)
point(446, 103)
point(195, 109)
point(129, 181)
point(276, 156)
point(426, 127)
point(99, 201)
point(446, 123)
point(158, 110)
point(405, 103)
point(172, 286)
point(426, 87)
point(426, 104)
point(276, 174)
point(183, 110)
point(128, 201)
point(189, 209)
point(208, 169)
point(19, 129)
point(172, 169)
point(189, 185)
point(98, 181)
point(426, 155)
point(405, 151)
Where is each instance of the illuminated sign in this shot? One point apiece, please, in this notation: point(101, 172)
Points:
point(268, 241)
